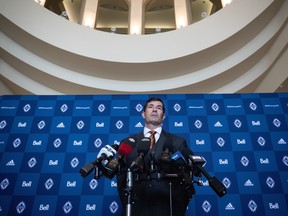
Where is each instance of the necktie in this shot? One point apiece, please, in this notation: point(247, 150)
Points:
point(152, 138)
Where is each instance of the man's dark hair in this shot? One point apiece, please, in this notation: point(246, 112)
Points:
point(154, 99)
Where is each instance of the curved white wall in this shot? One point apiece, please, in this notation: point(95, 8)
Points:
point(234, 50)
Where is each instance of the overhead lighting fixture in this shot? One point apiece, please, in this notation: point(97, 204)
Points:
point(158, 30)
point(113, 29)
point(225, 2)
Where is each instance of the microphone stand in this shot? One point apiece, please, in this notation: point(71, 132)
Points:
point(129, 185)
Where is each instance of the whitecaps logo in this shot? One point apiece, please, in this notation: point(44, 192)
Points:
point(67, 207)
point(285, 160)
point(220, 141)
point(119, 124)
point(206, 206)
point(32, 162)
point(101, 108)
point(57, 143)
point(93, 184)
point(98, 142)
point(177, 107)
point(261, 141)
point(113, 207)
point(4, 184)
point(253, 106)
point(237, 123)
point(3, 124)
point(245, 161)
point(252, 205)
point(49, 184)
point(21, 207)
point(26, 108)
point(41, 125)
point(64, 108)
point(215, 107)
point(80, 124)
point(198, 124)
point(74, 162)
point(270, 182)
point(277, 122)
point(16, 142)
point(227, 183)
point(139, 107)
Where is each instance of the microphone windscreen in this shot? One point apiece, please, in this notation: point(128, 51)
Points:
point(143, 145)
point(126, 146)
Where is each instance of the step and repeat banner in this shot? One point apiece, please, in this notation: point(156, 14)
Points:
point(45, 140)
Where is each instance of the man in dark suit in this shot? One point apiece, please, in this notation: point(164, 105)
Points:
point(154, 196)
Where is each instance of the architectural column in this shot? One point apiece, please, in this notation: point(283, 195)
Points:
point(88, 13)
point(183, 16)
point(136, 16)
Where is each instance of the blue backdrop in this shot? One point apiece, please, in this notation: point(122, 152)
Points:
point(45, 140)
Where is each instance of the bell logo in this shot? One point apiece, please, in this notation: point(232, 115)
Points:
point(37, 143)
point(241, 141)
point(178, 124)
point(100, 125)
point(113, 184)
point(43, 207)
point(200, 142)
point(223, 162)
point(264, 161)
point(90, 207)
point(71, 184)
point(53, 162)
point(27, 184)
point(77, 143)
point(274, 206)
point(256, 123)
point(22, 124)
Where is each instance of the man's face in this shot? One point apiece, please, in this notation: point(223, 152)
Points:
point(154, 113)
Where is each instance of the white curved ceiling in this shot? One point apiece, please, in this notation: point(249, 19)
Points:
point(237, 49)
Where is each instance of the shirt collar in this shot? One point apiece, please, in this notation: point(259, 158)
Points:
point(146, 131)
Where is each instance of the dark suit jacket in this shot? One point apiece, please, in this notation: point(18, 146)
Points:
point(152, 197)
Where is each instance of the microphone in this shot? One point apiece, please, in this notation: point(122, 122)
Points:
point(197, 162)
point(165, 161)
point(142, 149)
point(125, 149)
point(105, 152)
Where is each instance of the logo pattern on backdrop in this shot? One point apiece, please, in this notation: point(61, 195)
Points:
point(45, 140)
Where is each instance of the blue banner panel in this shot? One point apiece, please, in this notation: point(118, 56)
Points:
point(45, 141)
